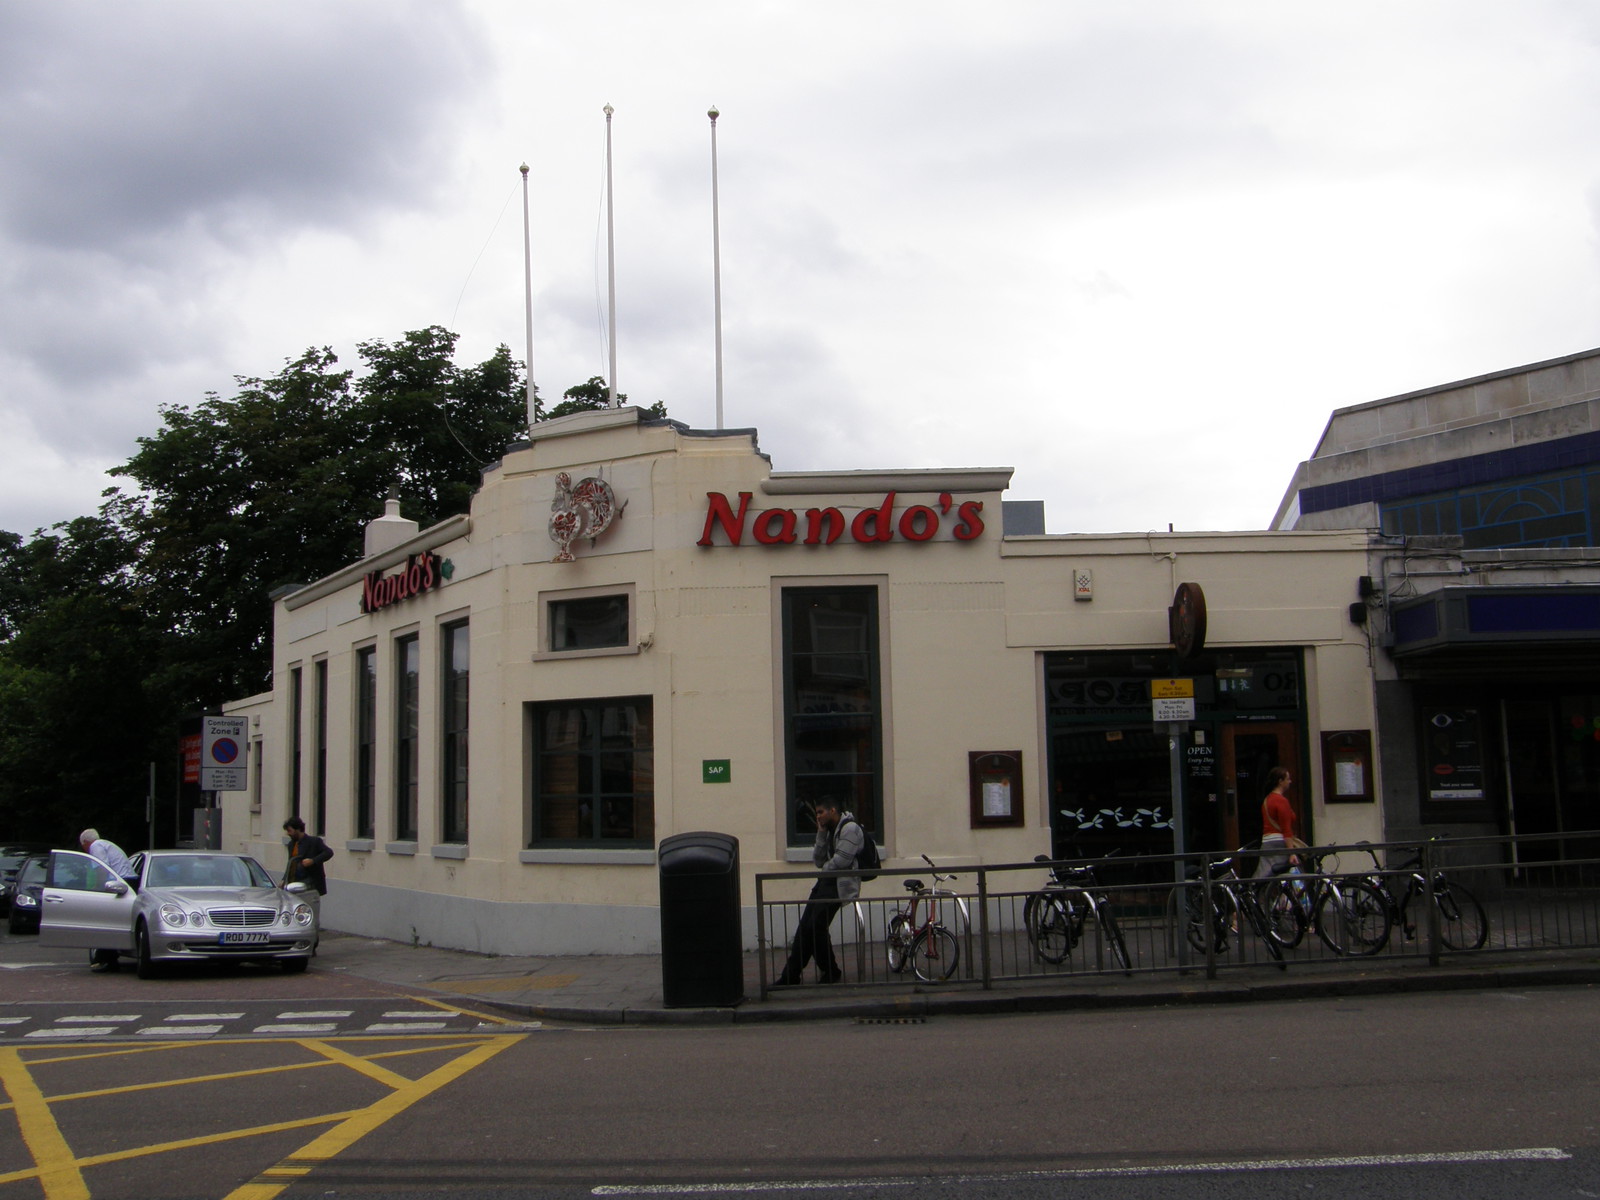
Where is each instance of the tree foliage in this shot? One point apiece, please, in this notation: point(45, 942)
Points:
point(112, 626)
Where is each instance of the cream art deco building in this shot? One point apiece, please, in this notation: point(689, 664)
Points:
point(641, 629)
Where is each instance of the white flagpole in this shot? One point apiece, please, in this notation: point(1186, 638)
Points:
point(611, 269)
point(527, 280)
point(716, 259)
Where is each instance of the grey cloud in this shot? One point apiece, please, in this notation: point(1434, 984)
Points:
point(120, 122)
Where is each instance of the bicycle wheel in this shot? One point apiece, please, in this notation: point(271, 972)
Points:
point(1286, 923)
point(1119, 948)
point(934, 954)
point(1463, 925)
point(1049, 928)
point(897, 942)
point(1258, 924)
point(1197, 915)
point(1352, 918)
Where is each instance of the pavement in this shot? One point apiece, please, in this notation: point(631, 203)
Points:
point(628, 989)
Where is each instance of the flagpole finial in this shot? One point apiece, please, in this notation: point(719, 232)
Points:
point(524, 169)
point(608, 110)
point(713, 114)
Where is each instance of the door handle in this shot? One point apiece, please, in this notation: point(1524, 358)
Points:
point(55, 899)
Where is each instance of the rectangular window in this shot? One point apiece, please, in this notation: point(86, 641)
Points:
point(366, 739)
point(833, 721)
point(456, 663)
point(295, 744)
point(319, 778)
point(593, 773)
point(407, 692)
point(589, 623)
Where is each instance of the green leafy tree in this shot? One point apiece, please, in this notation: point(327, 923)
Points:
point(114, 626)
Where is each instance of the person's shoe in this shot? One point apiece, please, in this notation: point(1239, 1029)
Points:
point(785, 979)
point(103, 966)
point(834, 976)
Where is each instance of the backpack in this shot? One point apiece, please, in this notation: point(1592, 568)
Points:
point(869, 860)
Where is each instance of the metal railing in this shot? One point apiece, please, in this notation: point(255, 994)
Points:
point(1529, 899)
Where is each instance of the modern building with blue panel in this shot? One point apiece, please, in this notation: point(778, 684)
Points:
point(1482, 601)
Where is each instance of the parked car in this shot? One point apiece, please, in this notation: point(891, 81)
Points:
point(25, 892)
point(178, 906)
point(11, 857)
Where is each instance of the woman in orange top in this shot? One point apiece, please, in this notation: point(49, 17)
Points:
point(1277, 825)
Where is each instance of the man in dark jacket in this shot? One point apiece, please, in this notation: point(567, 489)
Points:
point(307, 853)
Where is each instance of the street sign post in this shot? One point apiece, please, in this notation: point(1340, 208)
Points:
point(224, 743)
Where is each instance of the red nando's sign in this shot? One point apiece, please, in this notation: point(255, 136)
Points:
point(420, 574)
point(825, 526)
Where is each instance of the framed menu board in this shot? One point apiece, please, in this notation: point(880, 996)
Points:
point(1347, 767)
point(995, 780)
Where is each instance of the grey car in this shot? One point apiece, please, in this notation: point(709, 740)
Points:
point(178, 906)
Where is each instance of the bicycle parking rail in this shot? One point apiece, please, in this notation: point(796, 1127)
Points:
point(1530, 901)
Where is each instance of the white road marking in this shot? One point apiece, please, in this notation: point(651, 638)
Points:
point(100, 1019)
point(1210, 1168)
point(423, 1012)
point(204, 1017)
point(73, 1031)
point(316, 1016)
point(405, 1027)
point(179, 1030)
point(12, 1020)
point(295, 1028)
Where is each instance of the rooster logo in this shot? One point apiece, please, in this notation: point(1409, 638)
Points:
point(584, 511)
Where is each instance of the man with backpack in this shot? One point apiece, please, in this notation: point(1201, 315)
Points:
point(840, 839)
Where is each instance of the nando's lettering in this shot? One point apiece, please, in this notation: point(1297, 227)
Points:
point(420, 574)
point(825, 526)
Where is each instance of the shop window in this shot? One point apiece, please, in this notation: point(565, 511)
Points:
point(833, 721)
point(593, 773)
point(589, 623)
point(319, 749)
point(407, 694)
point(296, 700)
point(455, 665)
point(366, 739)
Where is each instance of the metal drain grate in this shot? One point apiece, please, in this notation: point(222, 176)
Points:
point(891, 1020)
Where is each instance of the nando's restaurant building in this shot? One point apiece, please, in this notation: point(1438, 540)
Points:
point(641, 629)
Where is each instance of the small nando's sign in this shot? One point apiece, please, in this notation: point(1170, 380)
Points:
point(422, 573)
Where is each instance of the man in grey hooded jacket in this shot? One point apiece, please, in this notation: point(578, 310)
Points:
point(840, 839)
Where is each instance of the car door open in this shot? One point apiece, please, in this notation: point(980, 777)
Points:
point(84, 905)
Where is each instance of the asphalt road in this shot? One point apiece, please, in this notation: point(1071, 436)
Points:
point(1456, 1094)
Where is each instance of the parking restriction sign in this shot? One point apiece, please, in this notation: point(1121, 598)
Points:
point(223, 742)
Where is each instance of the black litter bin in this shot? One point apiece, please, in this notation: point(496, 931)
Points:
point(702, 942)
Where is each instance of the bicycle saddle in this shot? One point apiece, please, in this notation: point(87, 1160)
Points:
point(914, 885)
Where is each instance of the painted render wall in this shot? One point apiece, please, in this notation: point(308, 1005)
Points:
point(962, 627)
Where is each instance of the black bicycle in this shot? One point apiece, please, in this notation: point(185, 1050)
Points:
point(1055, 915)
point(1349, 914)
point(1214, 917)
point(1463, 924)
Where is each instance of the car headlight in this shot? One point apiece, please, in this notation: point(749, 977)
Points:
point(197, 918)
point(172, 915)
point(26, 900)
point(302, 914)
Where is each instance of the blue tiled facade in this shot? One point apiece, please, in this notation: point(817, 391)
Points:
point(1545, 494)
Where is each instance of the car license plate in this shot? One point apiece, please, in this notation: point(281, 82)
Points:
point(243, 939)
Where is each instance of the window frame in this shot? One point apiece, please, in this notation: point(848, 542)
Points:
point(593, 710)
point(454, 741)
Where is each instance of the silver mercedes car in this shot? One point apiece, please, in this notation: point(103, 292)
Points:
point(178, 906)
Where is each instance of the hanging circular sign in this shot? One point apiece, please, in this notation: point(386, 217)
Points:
point(1186, 620)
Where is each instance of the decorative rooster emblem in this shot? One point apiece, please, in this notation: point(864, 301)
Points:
point(585, 511)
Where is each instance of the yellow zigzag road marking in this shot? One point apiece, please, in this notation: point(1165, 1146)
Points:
point(271, 1182)
point(57, 1173)
point(60, 1172)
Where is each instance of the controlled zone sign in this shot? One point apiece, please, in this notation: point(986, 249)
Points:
point(223, 746)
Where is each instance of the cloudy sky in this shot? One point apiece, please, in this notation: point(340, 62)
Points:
point(1137, 249)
